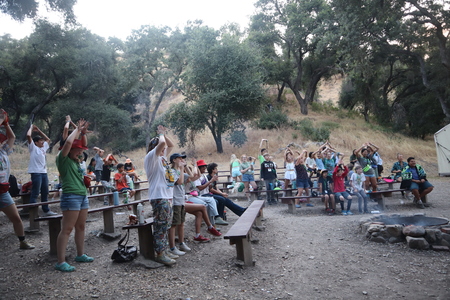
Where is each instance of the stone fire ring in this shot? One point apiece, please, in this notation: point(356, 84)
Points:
point(417, 231)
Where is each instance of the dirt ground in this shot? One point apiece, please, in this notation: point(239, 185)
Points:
point(306, 255)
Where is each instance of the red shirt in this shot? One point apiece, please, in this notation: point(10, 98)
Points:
point(121, 181)
point(339, 181)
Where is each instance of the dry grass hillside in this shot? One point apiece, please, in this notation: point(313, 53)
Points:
point(349, 134)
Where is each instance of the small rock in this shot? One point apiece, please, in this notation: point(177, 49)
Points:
point(414, 231)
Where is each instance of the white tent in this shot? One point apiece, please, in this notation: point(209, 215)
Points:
point(442, 140)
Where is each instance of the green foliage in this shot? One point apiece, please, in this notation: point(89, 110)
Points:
point(274, 119)
point(307, 129)
point(23, 9)
point(324, 107)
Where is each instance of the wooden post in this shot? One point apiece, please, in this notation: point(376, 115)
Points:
point(244, 250)
point(145, 234)
point(34, 213)
point(108, 221)
point(54, 228)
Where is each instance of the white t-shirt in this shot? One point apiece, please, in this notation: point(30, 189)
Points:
point(160, 177)
point(201, 181)
point(311, 163)
point(38, 161)
point(358, 180)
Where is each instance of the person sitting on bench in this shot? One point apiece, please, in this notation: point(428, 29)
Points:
point(120, 179)
point(414, 178)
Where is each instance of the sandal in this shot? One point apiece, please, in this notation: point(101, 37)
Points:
point(64, 267)
point(84, 258)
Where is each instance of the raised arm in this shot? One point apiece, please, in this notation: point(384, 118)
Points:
point(9, 132)
point(36, 129)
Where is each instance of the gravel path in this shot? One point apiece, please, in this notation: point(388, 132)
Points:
point(306, 255)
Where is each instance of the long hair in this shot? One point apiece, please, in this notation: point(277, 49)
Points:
point(152, 144)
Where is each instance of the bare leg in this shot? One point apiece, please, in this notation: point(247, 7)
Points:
point(13, 215)
point(80, 226)
point(68, 222)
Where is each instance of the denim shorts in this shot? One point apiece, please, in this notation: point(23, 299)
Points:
point(421, 186)
point(74, 202)
point(302, 183)
point(248, 177)
point(343, 194)
point(5, 200)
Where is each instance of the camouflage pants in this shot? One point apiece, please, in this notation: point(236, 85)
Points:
point(162, 220)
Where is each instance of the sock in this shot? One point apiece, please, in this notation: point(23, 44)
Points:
point(210, 226)
point(21, 238)
point(172, 248)
point(197, 235)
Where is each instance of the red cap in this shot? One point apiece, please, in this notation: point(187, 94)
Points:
point(78, 144)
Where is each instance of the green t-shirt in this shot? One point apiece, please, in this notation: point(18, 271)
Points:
point(261, 159)
point(71, 176)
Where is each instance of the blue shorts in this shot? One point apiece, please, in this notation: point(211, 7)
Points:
point(302, 184)
point(371, 175)
point(338, 195)
point(5, 200)
point(124, 190)
point(235, 172)
point(74, 202)
point(248, 177)
point(420, 186)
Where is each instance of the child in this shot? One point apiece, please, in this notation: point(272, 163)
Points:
point(268, 175)
point(356, 181)
point(302, 180)
point(326, 188)
point(120, 178)
point(339, 173)
point(289, 175)
point(107, 167)
point(234, 168)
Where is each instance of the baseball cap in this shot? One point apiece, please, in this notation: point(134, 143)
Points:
point(175, 156)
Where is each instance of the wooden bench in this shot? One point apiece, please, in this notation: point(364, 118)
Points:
point(54, 222)
point(290, 201)
point(240, 233)
point(145, 235)
point(381, 195)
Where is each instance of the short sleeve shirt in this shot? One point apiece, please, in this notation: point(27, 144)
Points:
point(179, 191)
point(71, 175)
point(5, 166)
point(38, 161)
point(160, 177)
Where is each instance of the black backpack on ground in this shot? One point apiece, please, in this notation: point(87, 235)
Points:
point(13, 187)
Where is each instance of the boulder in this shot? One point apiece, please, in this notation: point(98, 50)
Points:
point(395, 239)
point(445, 237)
point(375, 228)
point(394, 230)
point(378, 239)
point(431, 235)
point(417, 243)
point(414, 231)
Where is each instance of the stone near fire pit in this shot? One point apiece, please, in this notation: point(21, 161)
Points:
point(414, 231)
point(417, 243)
point(394, 230)
point(433, 236)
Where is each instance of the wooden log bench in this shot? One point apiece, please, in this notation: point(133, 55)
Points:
point(240, 233)
point(54, 222)
point(381, 195)
point(33, 213)
point(145, 236)
point(290, 201)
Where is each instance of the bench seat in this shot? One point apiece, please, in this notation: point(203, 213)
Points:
point(240, 233)
point(145, 235)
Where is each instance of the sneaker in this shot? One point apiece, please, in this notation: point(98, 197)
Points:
point(171, 255)
point(175, 251)
point(214, 231)
point(298, 206)
point(184, 247)
point(64, 267)
point(408, 197)
point(201, 239)
point(26, 245)
point(84, 258)
point(165, 260)
point(344, 213)
point(420, 204)
point(220, 221)
point(426, 204)
point(349, 213)
point(309, 205)
point(106, 203)
point(49, 213)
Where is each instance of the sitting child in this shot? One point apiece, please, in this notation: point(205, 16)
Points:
point(326, 188)
point(339, 173)
point(120, 179)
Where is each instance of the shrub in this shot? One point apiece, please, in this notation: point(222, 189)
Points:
point(306, 127)
point(237, 138)
point(272, 120)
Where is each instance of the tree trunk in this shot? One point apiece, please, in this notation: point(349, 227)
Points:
point(302, 102)
point(280, 91)
point(218, 140)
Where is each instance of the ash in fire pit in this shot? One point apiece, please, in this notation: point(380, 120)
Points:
point(417, 220)
point(418, 231)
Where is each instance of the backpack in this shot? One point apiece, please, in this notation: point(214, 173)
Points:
point(13, 187)
point(26, 187)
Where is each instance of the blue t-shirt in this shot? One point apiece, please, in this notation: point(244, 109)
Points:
point(414, 173)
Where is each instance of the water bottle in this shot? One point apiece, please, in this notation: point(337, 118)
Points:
point(294, 184)
point(116, 197)
point(140, 213)
point(271, 186)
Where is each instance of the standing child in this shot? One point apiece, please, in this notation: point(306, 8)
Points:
point(302, 180)
point(234, 169)
point(7, 204)
point(289, 175)
point(339, 173)
point(268, 175)
point(356, 181)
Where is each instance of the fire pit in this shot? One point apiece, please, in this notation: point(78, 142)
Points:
point(418, 220)
point(418, 231)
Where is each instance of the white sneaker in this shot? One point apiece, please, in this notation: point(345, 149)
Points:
point(184, 247)
point(177, 252)
point(170, 255)
point(50, 213)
